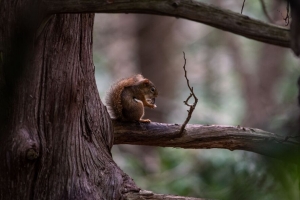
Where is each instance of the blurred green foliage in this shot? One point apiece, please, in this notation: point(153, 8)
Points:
point(215, 174)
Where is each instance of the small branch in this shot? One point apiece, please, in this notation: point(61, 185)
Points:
point(206, 137)
point(243, 7)
point(187, 9)
point(287, 17)
point(144, 194)
point(192, 94)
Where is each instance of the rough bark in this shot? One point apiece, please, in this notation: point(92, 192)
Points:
point(192, 10)
point(206, 137)
point(56, 134)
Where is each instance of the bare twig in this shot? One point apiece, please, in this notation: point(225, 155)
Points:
point(263, 5)
point(243, 7)
point(192, 94)
point(287, 18)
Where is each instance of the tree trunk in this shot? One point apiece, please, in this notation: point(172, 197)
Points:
point(56, 134)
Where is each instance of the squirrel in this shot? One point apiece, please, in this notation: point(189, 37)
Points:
point(127, 98)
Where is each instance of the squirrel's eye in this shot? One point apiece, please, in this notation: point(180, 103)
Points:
point(152, 89)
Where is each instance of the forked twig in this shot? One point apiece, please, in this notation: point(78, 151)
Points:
point(192, 94)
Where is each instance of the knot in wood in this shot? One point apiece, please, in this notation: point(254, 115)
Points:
point(32, 154)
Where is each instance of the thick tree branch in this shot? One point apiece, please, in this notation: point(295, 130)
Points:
point(206, 137)
point(144, 194)
point(187, 9)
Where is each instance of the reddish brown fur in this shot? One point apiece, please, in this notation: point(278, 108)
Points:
point(125, 97)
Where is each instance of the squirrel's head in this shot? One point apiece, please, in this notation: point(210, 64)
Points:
point(149, 91)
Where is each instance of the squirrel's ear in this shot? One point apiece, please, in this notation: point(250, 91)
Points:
point(144, 81)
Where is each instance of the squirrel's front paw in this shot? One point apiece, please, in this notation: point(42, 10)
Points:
point(152, 106)
point(150, 103)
